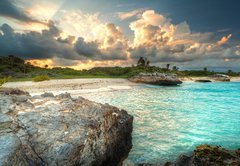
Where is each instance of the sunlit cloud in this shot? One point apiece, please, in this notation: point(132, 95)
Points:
point(130, 14)
point(224, 40)
point(43, 11)
point(80, 24)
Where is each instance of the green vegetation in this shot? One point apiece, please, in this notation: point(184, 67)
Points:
point(4, 80)
point(21, 71)
point(41, 78)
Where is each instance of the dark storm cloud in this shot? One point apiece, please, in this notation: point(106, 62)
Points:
point(49, 44)
point(8, 9)
point(34, 45)
point(87, 49)
point(91, 50)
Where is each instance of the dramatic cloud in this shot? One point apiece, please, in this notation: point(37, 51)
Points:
point(8, 9)
point(77, 39)
point(49, 44)
point(88, 49)
point(104, 41)
point(114, 44)
point(80, 24)
point(158, 39)
point(35, 45)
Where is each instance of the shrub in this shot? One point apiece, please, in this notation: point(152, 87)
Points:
point(4, 80)
point(41, 78)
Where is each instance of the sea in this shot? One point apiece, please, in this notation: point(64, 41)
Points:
point(173, 120)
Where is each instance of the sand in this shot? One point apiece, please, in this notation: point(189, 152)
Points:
point(72, 86)
point(77, 87)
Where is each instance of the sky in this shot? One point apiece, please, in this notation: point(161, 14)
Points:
point(190, 34)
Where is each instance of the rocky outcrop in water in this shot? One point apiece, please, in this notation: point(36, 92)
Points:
point(61, 130)
point(221, 77)
point(206, 155)
point(203, 81)
point(156, 79)
point(210, 156)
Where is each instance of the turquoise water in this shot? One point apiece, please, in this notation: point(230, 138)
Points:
point(169, 121)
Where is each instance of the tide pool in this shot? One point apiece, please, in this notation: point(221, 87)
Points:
point(169, 121)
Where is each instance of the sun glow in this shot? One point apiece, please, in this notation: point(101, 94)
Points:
point(88, 64)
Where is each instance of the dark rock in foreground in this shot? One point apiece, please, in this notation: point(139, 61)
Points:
point(156, 79)
point(59, 130)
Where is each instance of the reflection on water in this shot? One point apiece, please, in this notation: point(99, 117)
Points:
point(169, 121)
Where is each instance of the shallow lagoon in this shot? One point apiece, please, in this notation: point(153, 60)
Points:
point(169, 121)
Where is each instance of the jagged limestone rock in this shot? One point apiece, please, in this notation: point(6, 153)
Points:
point(61, 130)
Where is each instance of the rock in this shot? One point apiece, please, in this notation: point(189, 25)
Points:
point(204, 81)
point(11, 151)
point(10, 91)
point(204, 155)
point(5, 121)
point(210, 156)
point(156, 79)
point(221, 77)
point(61, 130)
point(47, 95)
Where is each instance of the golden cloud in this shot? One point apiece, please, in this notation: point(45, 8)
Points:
point(224, 40)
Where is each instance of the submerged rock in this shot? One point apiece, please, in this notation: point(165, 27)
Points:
point(156, 79)
point(61, 130)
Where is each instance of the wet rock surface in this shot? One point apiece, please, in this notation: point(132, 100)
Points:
point(61, 130)
point(156, 79)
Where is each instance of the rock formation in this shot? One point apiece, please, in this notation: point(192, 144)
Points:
point(206, 155)
point(156, 79)
point(202, 80)
point(221, 77)
point(211, 156)
point(61, 130)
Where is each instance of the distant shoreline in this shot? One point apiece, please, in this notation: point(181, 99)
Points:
point(193, 79)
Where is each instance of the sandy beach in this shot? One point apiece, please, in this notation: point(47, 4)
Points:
point(82, 86)
point(73, 86)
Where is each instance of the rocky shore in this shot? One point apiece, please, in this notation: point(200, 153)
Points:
point(59, 130)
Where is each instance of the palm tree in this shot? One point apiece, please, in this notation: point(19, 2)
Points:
point(141, 62)
point(168, 65)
